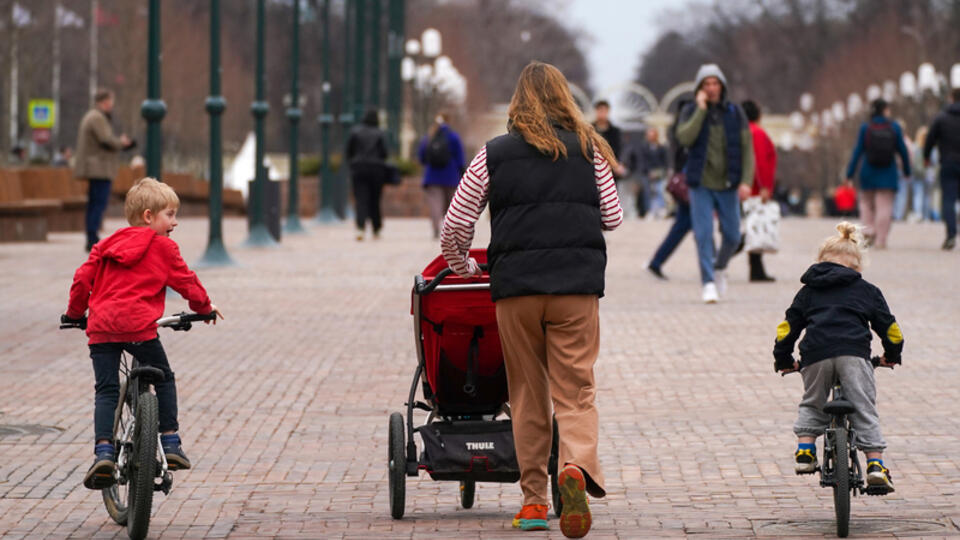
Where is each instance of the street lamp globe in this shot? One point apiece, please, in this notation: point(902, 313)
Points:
point(889, 91)
point(908, 84)
point(838, 113)
point(443, 64)
point(874, 92)
point(412, 47)
point(955, 76)
point(806, 102)
point(408, 69)
point(432, 43)
point(927, 78)
point(796, 120)
point(854, 104)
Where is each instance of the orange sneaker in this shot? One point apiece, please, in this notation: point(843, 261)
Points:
point(532, 517)
point(575, 517)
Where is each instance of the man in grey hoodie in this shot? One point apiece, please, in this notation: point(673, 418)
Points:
point(719, 171)
point(945, 134)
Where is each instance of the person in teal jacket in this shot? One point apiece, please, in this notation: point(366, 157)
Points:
point(878, 142)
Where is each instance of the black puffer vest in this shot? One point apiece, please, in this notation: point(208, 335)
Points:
point(546, 224)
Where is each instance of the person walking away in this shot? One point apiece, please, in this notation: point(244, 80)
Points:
point(878, 141)
point(550, 188)
point(945, 136)
point(681, 220)
point(835, 310)
point(367, 155)
point(441, 154)
point(654, 172)
point(719, 171)
point(98, 159)
point(764, 177)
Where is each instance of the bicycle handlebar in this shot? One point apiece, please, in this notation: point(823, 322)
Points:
point(179, 321)
point(443, 274)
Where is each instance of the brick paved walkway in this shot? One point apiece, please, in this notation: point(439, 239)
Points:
point(284, 405)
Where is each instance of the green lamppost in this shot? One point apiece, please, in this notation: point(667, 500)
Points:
point(293, 115)
point(153, 108)
point(259, 234)
point(376, 18)
point(359, 54)
point(326, 213)
point(216, 254)
point(395, 41)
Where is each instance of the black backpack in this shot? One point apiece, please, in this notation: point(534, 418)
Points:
point(880, 143)
point(438, 150)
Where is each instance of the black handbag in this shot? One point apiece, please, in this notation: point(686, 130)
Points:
point(470, 450)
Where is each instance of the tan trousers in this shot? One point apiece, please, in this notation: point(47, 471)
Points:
point(876, 211)
point(550, 344)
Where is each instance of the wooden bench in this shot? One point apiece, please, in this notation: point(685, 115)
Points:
point(57, 183)
point(22, 219)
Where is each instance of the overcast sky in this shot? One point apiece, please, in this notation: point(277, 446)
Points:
point(620, 31)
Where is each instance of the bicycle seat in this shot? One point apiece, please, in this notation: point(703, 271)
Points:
point(149, 373)
point(839, 407)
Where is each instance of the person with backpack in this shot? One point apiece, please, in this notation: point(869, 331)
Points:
point(441, 154)
point(879, 140)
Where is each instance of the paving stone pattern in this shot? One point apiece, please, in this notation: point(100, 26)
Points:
point(284, 405)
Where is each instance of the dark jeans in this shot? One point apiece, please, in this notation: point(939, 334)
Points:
point(106, 369)
point(682, 224)
point(367, 189)
point(950, 191)
point(97, 198)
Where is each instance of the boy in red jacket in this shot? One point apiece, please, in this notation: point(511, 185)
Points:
point(123, 284)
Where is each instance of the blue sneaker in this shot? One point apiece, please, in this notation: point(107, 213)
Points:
point(176, 459)
point(102, 473)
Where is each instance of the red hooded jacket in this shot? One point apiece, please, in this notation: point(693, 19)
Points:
point(766, 160)
point(124, 284)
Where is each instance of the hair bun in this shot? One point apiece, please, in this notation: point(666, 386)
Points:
point(847, 230)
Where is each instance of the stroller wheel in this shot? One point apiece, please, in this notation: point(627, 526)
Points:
point(397, 464)
point(554, 470)
point(468, 492)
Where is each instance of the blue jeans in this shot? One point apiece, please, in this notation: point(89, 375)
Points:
point(900, 201)
point(681, 226)
point(919, 198)
point(106, 369)
point(97, 198)
point(950, 191)
point(703, 202)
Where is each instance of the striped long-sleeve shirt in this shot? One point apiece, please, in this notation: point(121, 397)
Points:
point(471, 198)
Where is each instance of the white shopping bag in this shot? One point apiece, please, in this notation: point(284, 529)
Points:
point(761, 226)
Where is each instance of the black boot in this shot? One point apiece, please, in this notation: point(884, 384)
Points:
point(757, 272)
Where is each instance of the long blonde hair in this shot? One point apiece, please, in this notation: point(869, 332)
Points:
point(542, 101)
point(844, 248)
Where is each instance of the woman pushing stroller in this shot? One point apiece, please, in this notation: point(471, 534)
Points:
point(550, 188)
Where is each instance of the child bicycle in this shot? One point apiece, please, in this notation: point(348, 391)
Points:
point(136, 437)
point(840, 467)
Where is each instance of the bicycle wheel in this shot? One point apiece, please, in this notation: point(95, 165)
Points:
point(397, 467)
point(554, 470)
point(143, 466)
point(841, 475)
point(115, 496)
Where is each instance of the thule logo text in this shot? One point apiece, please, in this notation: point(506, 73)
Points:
point(479, 446)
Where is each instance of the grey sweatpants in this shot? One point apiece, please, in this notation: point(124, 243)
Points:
point(859, 387)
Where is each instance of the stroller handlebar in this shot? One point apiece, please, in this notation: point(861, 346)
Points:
point(443, 274)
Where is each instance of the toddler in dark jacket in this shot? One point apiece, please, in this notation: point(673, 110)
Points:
point(837, 308)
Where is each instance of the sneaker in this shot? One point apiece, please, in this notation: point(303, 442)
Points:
point(176, 459)
point(948, 244)
point(710, 293)
point(720, 278)
point(878, 476)
point(655, 270)
point(762, 279)
point(532, 517)
point(575, 519)
point(806, 462)
point(101, 473)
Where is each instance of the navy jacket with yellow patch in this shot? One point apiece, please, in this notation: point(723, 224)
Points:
point(837, 308)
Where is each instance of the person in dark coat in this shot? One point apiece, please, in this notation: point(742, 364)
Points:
point(945, 135)
point(367, 155)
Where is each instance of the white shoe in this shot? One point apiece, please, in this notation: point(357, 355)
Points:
point(720, 277)
point(710, 293)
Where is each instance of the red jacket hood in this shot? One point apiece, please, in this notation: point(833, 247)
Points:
point(127, 246)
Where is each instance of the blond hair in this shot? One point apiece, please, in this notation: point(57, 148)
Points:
point(148, 194)
point(542, 101)
point(844, 248)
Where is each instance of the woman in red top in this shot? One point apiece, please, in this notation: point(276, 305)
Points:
point(765, 155)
